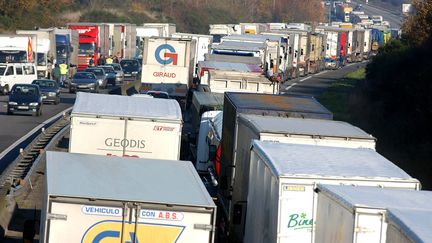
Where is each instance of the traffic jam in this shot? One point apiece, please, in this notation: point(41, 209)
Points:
point(181, 137)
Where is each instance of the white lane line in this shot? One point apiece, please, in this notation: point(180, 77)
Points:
point(301, 80)
point(321, 73)
point(6, 151)
point(292, 85)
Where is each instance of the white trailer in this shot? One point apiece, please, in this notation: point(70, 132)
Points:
point(281, 199)
point(220, 81)
point(367, 43)
point(203, 148)
point(128, 126)
point(409, 225)
point(203, 43)
point(253, 28)
point(168, 65)
point(18, 48)
point(220, 30)
point(93, 198)
point(358, 214)
point(283, 130)
point(122, 38)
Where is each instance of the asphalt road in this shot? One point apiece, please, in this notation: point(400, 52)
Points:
point(395, 18)
point(316, 84)
point(13, 127)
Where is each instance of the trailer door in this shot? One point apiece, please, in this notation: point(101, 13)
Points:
point(173, 225)
point(77, 222)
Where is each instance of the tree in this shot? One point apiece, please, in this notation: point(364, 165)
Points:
point(417, 28)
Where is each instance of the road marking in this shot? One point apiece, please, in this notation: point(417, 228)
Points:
point(23, 138)
point(301, 80)
point(321, 73)
point(292, 85)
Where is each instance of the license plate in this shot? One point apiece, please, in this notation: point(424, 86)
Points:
point(82, 86)
point(22, 107)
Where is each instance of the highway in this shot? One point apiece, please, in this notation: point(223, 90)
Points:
point(395, 18)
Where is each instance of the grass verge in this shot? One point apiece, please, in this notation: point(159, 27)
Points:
point(336, 98)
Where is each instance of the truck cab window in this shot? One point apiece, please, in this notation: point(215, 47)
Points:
point(9, 71)
point(18, 70)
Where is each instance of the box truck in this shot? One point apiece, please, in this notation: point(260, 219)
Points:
point(358, 214)
point(202, 102)
point(221, 81)
point(259, 104)
point(129, 126)
point(113, 199)
point(122, 38)
point(409, 225)
point(282, 130)
point(202, 46)
point(281, 200)
point(168, 65)
point(220, 30)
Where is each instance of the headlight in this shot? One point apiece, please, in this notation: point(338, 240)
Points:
point(135, 72)
point(100, 81)
point(73, 84)
point(12, 103)
point(34, 104)
point(52, 93)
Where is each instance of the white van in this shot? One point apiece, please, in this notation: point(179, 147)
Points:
point(13, 73)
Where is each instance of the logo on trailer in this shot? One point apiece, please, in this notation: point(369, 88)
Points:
point(165, 54)
point(109, 231)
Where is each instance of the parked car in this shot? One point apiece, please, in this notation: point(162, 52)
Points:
point(25, 98)
point(84, 81)
point(119, 72)
point(100, 75)
point(50, 90)
point(110, 74)
point(131, 69)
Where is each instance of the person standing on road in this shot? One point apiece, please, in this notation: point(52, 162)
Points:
point(115, 59)
point(91, 61)
point(109, 60)
point(63, 72)
point(56, 73)
point(101, 60)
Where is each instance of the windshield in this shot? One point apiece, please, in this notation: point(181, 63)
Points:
point(45, 83)
point(98, 72)
point(129, 65)
point(24, 90)
point(61, 52)
point(84, 76)
point(13, 56)
point(86, 48)
point(41, 60)
point(2, 70)
point(116, 67)
point(108, 69)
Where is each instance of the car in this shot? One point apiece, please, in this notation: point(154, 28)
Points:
point(131, 69)
point(25, 98)
point(158, 94)
point(100, 75)
point(50, 90)
point(84, 81)
point(110, 74)
point(119, 72)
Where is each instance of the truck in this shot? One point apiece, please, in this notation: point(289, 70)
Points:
point(281, 198)
point(253, 28)
point(408, 225)
point(337, 46)
point(18, 48)
point(67, 46)
point(221, 81)
point(93, 42)
point(100, 206)
point(220, 30)
point(203, 102)
point(168, 65)
point(209, 122)
point(282, 130)
point(122, 37)
point(317, 53)
point(45, 50)
point(261, 104)
point(152, 29)
point(343, 12)
point(358, 214)
point(204, 66)
point(128, 126)
point(203, 43)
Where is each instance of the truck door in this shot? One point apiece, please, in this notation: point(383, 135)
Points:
point(90, 135)
point(171, 225)
point(156, 140)
point(87, 223)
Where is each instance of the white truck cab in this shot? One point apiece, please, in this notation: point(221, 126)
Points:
point(13, 73)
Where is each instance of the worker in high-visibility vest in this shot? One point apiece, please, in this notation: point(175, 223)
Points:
point(63, 72)
point(109, 60)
